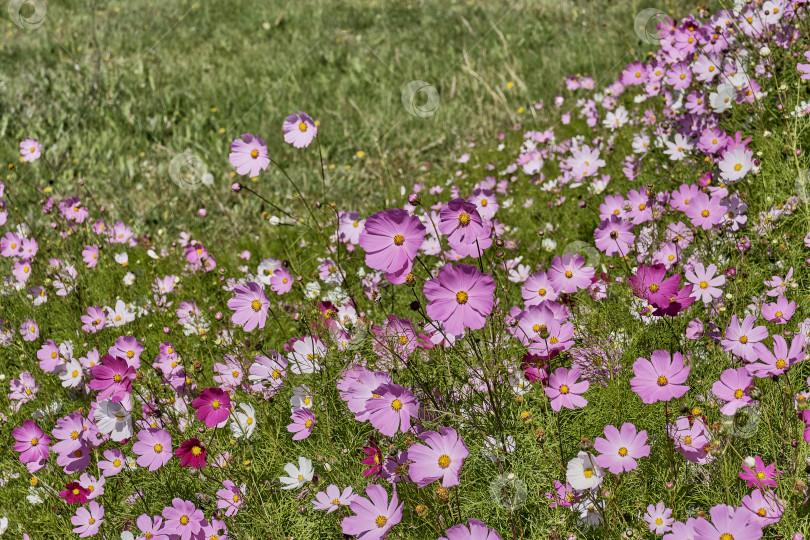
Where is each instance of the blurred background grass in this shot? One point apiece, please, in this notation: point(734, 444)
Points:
point(115, 89)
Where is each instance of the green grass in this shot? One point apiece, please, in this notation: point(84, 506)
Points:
point(116, 89)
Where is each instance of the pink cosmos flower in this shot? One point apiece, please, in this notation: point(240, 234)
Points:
point(760, 475)
point(569, 274)
point(440, 458)
point(460, 297)
point(486, 202)
point(94, 320)
point(476, 531)
point(691, 437)
point(658, 518)
point(707, 285)
point(391, 240)
point(614, 236)
point(87, 521)
point(332, 498)
point(733, 387)
point(230, 498)
point(151, 528)
point(250, 306)
point(740, 338)
point(154, 448)
point(182, 519)
point(113, 462)
point(29, 330)
point(30, 150)
point(705, 212)
point(460, 221)
point(564, 390)
point(778, 361)
point(374, 515)
point(779, 312)
point(393, 409)
point(727, 521)
point(191, 453)
point(765, 508)
point(303, 422)
point(90, 255)
point(281, 281)
point(213, 406)
point(660, 379)
point(682, 530)
point(299, 129)
point(620, 449)
point(249, 155)
point(538, 289)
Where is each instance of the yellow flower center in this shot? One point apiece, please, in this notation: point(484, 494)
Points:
point(91, 521)
point(661, 381)
point(738, 393)
point(184, 519)
point(778, 313)
point(687, 439)
point(75, 491)
point(381, 521)
point(74, 435)
point(302, 127)
point(705, 213)
point(483, 202)
point(444, 461)
point(542, 292)
point(659, 521)
point(403, 340)
point(569, 274)
point(336, 502)
point(396, 404)
point(215, 404)
point(654, 287)
point(117, 462)
point(461, 297)
point(196, 450)
point(117, 377)
point(780, 364)
point(738, 166)
point(399, 239)
point(726, 536)
point(703, 285)
point(256, 305)
point(761, 512)
point(588, 472)
point(235, 498)
point(254, 153)
point(760, 475)
point(642, 206)
point(564, 389)
point(464, 218)
point(75, 373)
point(308, 423)
point(743, 339)
point(623, 452)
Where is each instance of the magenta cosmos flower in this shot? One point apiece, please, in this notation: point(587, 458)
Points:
point(112, 377)
point(154, 448)
point(778, 312)
point(391, 409)
point(651, 283)
point(74, 493)
point(230, 498)
point(391, 240)
point(303, 422)
point(461, 297)
point(733, 387)
point(740, 338)
point(760, 475)
point(182, 519)
point(569, 274)
point(87, 521)
point(191, 454)
point(660, 379)
point(299, 129)
point(765, 508)
point(30, 150)
point(620, 449)
point(440, 458)
point(564, 389)
point(250, 305)
point(476, 531)
point(249, 155)
point(375, 516)
point(727, 522)
point(213, 406)
point(33, 444)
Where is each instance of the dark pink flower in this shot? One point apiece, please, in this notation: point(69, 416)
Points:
point(660, 379)
point(213, 406)
point(391, 240)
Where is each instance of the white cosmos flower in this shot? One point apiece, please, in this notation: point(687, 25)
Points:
point(301, 398)
point(243, 422)
point(305, 355)
point(71, 374)
point(297, 476)
point(583, 472)
point(588, 512)
point(111, 418)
